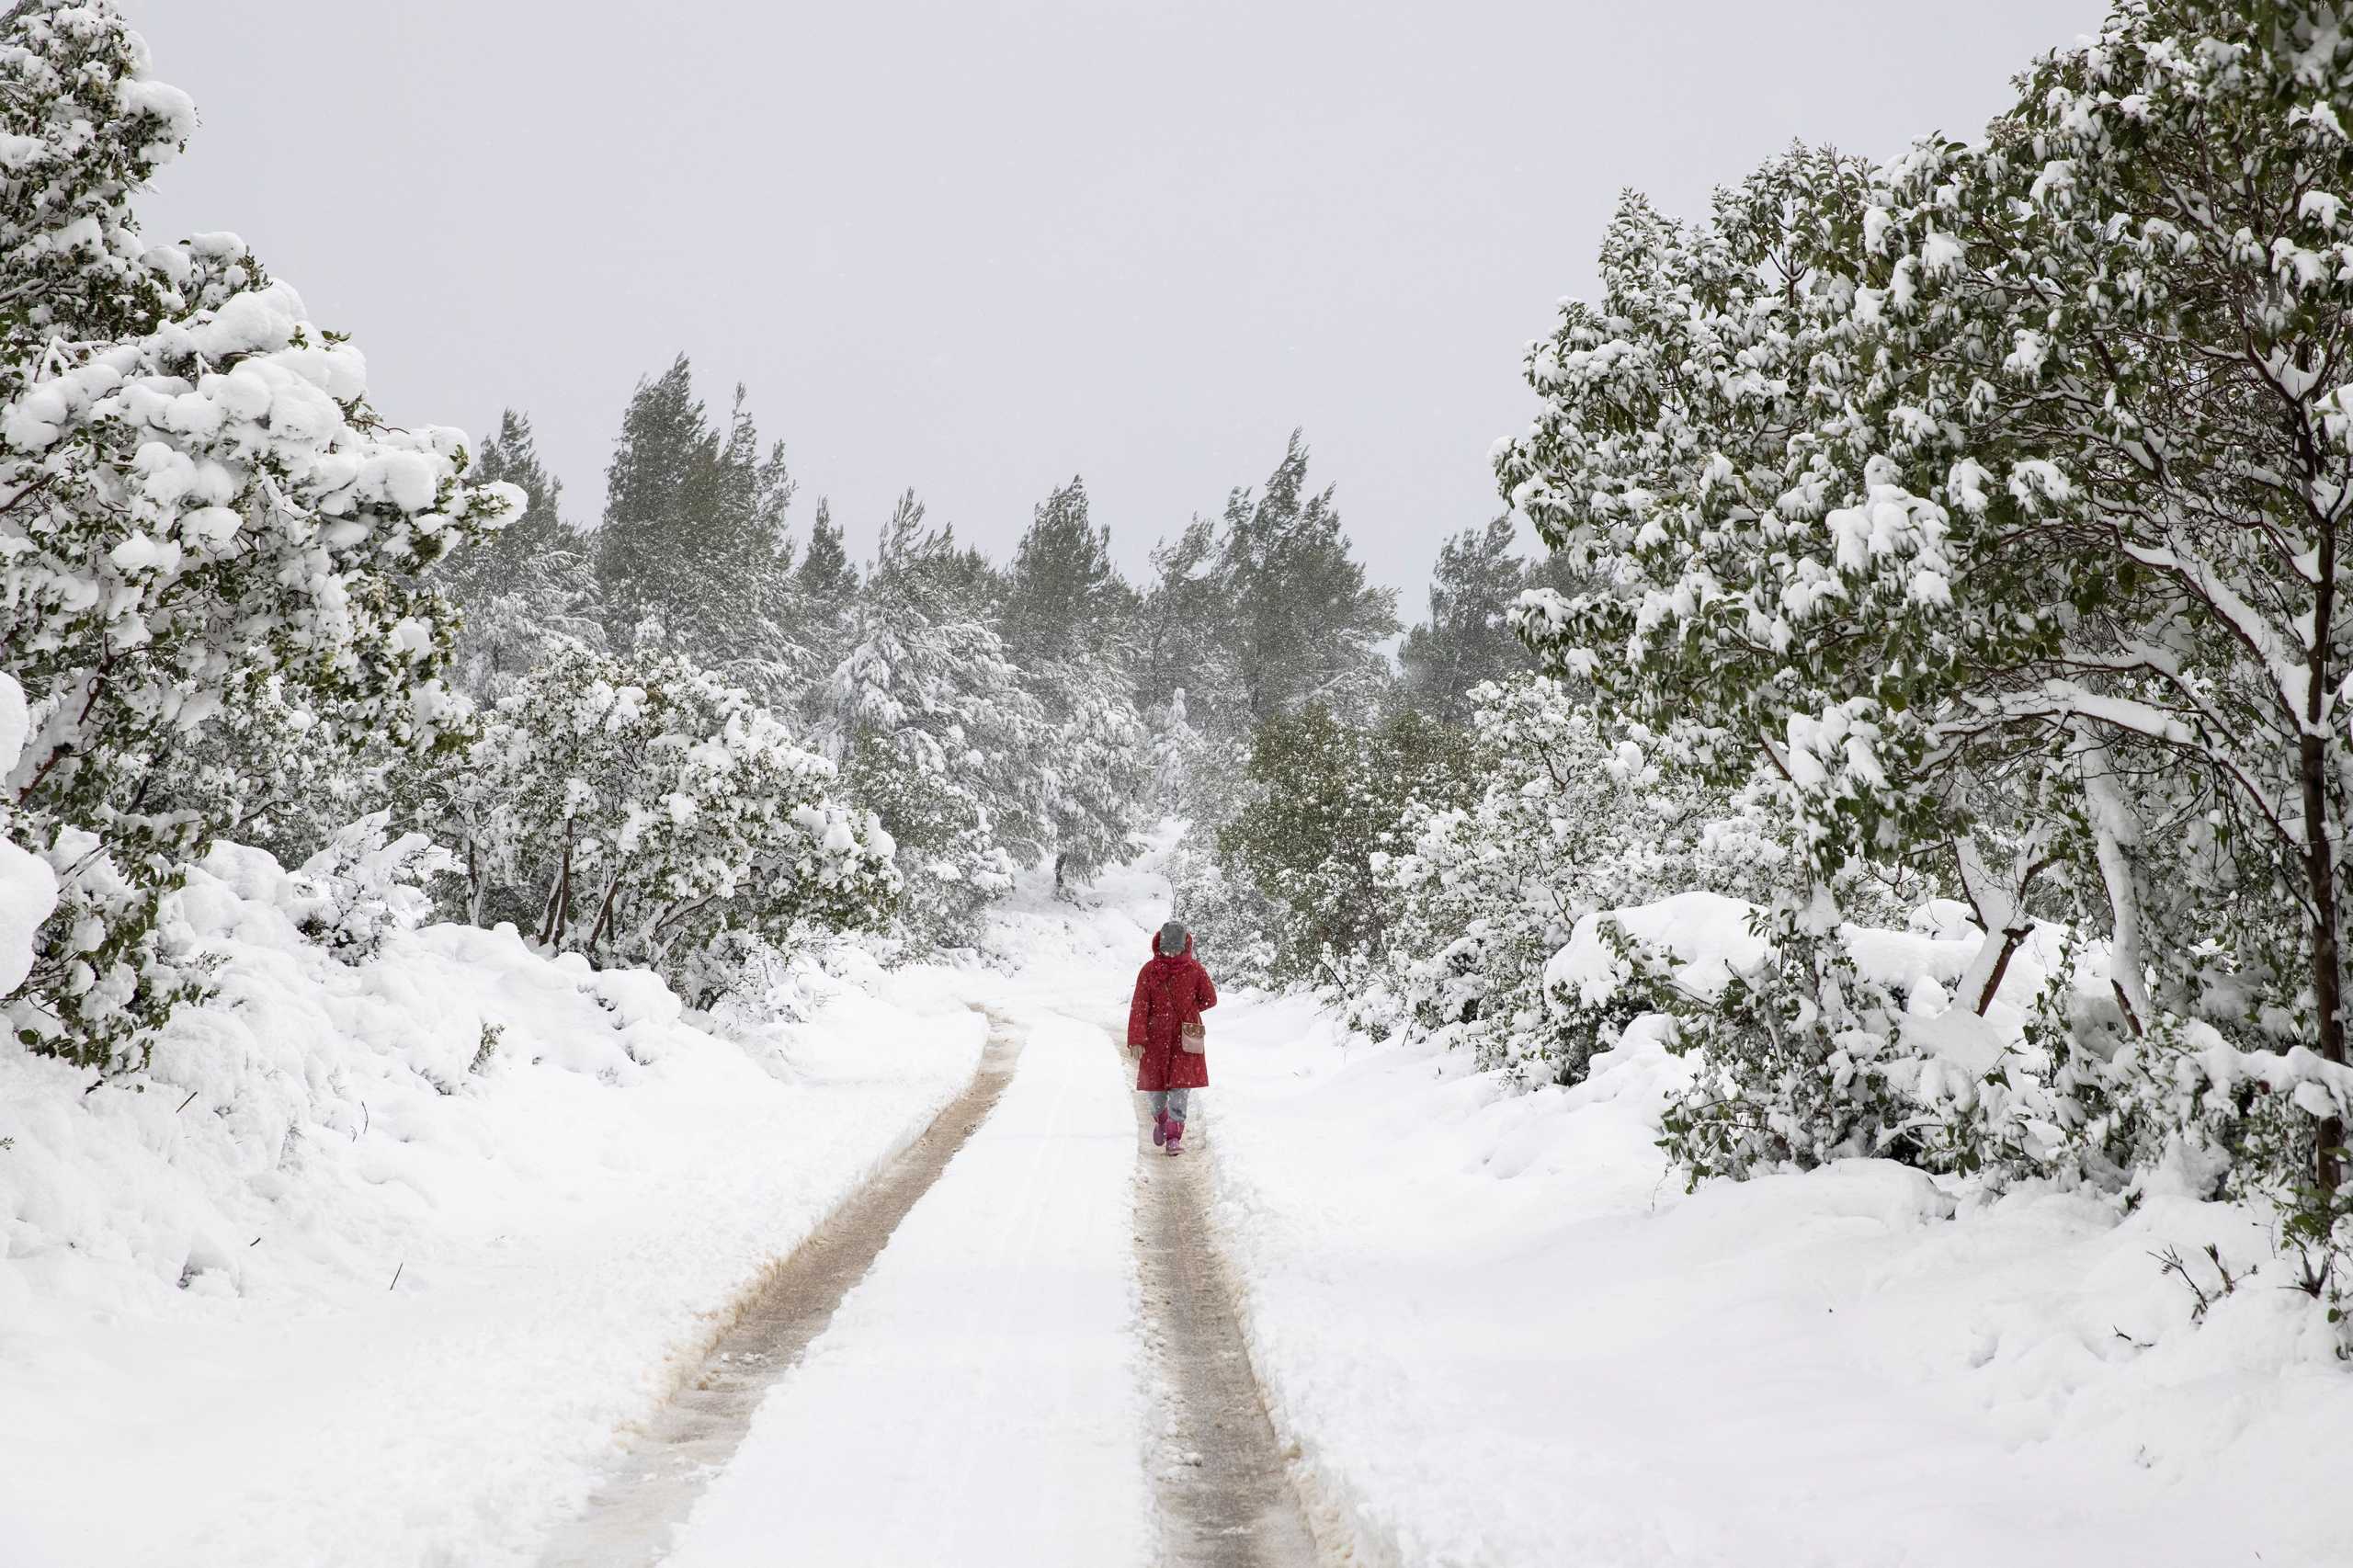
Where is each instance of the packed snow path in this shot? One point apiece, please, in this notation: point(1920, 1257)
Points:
point(652, 1484)
point(1015, 1346)
point(977, 1398)
point(1226, 1498)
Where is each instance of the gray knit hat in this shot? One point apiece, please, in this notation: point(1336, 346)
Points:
point(1172, 938)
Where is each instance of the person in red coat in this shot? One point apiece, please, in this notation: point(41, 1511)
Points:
point(1172, 990)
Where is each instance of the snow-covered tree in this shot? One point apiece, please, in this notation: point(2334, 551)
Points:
point(532, 582)
point(1570, 816)
point(198, 498)
point(1305, 626)
point(1184, 636)
point(1065, 624)
point(1997, 499)
point(1326, 798)
point(641, 811)
point(935, 730)
point(694, 537)
point(2128, 314)
point(1468, 639)
point(826, 579)
point(1062, 595)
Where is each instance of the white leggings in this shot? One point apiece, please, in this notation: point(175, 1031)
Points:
point(1170, 1102)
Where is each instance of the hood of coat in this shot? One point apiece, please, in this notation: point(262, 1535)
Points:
point(1185, 954)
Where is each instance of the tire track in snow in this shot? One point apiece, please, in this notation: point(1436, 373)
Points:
point(631, 1518)
point(1223, 1481)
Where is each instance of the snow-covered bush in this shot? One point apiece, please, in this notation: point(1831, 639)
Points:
point(198, 497)
point(1568, 820)
point(1796, 1062)
point(642, 812)
point(363, 887)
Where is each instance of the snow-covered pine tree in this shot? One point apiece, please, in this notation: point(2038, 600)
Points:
point(1062, 595)
point(532, 582)
point(197, 499)
point(694, 537)
point(1467, 640)
point(511, 456)
point(826, 579)
point(1066, 612)
point(1305, 626)
point(1184, 636)
point(934, 729)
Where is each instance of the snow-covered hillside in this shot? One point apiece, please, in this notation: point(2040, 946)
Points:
point(373, 1260)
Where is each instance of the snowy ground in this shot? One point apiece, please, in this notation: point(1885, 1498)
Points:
point(1491, 1326)
point(204, 1357)
point(1501, 1335)
point(976, 1400)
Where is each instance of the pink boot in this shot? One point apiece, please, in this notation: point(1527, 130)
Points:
point(1159, 1128)
point(1176, 1137)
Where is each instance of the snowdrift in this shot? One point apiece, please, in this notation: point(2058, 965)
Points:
point(1500, 1332)
point(394, 1248)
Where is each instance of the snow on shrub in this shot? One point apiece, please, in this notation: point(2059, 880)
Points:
point(361, 888)
point(28, 887)
point(640, 810)
point(194, 496)
point(1570, 818)
point(1997, 495)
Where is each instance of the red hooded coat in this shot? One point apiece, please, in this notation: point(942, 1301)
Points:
point(1170, 990)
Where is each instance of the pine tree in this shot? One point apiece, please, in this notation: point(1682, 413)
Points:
point(935, 730)
point(1305, 625)
point(1065, 614)
point(512, 457)
point(648, 544)
point(1468, 639)
point(1062, 595)
point(531, 585)
point(695, 541)
point(824, 580)
point(1184, 638)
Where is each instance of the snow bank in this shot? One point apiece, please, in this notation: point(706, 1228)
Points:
point(1500, 1333)
point(387, 1254)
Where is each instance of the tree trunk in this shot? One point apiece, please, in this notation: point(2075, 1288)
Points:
point(2320, 855)
point(2011, 936)
point(2000, 910)
point(552, 921)
point(604, 925)
point(2113, 832)
point(2320, 875)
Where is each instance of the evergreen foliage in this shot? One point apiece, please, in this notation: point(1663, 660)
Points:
point(1326, 799)
point(1305, 625)
point(1467, 640)
point(1996, 498)
point(694, 538)
point(199, 503)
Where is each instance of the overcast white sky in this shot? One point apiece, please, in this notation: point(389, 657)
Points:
point(980, 245)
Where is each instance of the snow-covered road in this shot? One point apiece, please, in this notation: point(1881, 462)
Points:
point(976, 1399)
